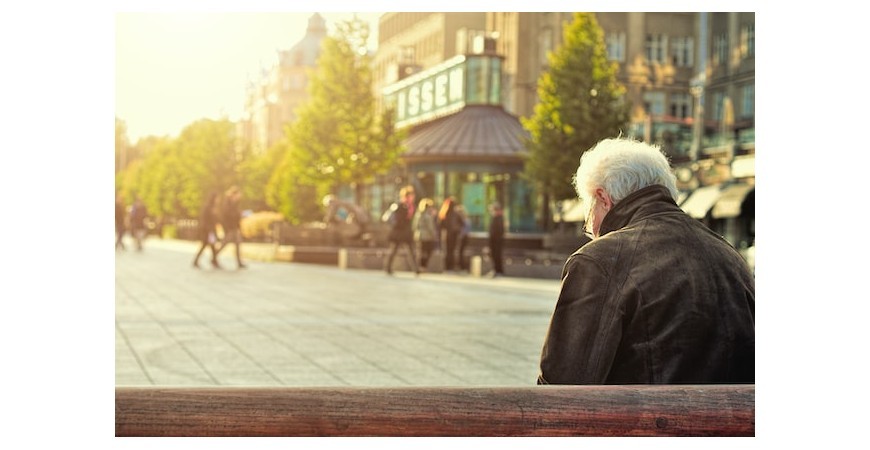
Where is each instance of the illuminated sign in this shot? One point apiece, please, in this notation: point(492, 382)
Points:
point(429, 94)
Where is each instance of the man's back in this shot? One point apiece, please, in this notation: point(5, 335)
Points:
point(657, 299)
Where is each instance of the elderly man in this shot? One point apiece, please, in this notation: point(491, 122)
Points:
point(655, 297)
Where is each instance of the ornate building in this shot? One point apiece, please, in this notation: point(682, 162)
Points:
point(272, 100)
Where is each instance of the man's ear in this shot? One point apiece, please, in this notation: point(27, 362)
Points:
point(603, 198)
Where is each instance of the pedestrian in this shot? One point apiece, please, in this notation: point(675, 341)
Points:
point(120, 222)
point(450, 225)
point(208, 219)
point(463, 237)
point(401, 232)
point(231, 218)
point(138, 227)
point(425, 231)
point(496, 239)
point(655, 297)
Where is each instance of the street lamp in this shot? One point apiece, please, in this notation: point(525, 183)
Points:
point(697, 90)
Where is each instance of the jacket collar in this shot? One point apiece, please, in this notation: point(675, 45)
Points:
point(639, 204)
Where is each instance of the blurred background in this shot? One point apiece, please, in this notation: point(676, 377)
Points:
point(483, 107)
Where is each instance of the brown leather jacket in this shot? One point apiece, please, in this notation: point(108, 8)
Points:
point(657, 299)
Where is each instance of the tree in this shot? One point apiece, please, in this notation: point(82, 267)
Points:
point(254, 172)
point(580, 103)
point(174, 176)
point(338, 138)
point(121, 145)
point(207, 158)
point(291, 192)
point(162, 179)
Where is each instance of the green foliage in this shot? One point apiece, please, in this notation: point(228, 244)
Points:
point(163, 177)
point(175, 175)
point(581, 103)
point(254, 172)
point(290, 191)
point(338, 138)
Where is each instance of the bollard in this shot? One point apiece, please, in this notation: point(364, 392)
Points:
point(476, 266)
point(342, 258)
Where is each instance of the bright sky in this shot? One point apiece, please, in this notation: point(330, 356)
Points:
point(172, 69)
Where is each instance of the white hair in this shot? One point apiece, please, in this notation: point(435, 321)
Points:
point(621, 166)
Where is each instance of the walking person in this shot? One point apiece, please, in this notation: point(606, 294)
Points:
point(120, 222)
point(425, 231)
point(655, 297)
point(450, 224)
point(208, 219)
point(401, 232)
point(496, 240)
point(231, 218)
point(138, 214)
point(463, 237)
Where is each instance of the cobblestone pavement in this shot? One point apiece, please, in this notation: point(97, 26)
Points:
point(292, 324)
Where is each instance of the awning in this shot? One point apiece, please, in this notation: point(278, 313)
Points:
point(701, 200)
point(731, 200)
point(477, 132)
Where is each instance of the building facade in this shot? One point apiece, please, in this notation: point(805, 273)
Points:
point(272, 100)
point(690, 78)
point(442, 76)
point(409, 42)
point(655, 53)
point(721, 175)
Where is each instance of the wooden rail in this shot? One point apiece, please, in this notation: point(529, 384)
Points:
point(649, 410)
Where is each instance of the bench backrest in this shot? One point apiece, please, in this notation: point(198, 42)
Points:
point(649, 410)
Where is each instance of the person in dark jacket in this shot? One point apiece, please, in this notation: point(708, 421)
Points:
point(496, 240)
point(231, 218)
point(464, 236)
point(138, 227)
point(450, 224)
point(402, 232)
point(208, 219)
point(120, 222)
point(655, 297)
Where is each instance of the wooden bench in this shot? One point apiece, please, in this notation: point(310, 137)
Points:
point(649, 410)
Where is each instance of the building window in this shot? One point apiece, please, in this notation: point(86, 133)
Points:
point(747, 41)
point(747, 109)
point(654, 103)
point(718, 106)
point(656, 48)
point(720, 49)
point(681, 105)
point(683, 51)
point(407, 54)
point(545, 45)
point(616, 46)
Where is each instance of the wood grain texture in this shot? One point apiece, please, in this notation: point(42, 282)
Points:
point(649, 410)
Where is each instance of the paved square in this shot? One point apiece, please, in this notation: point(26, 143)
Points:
point(291, 324)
